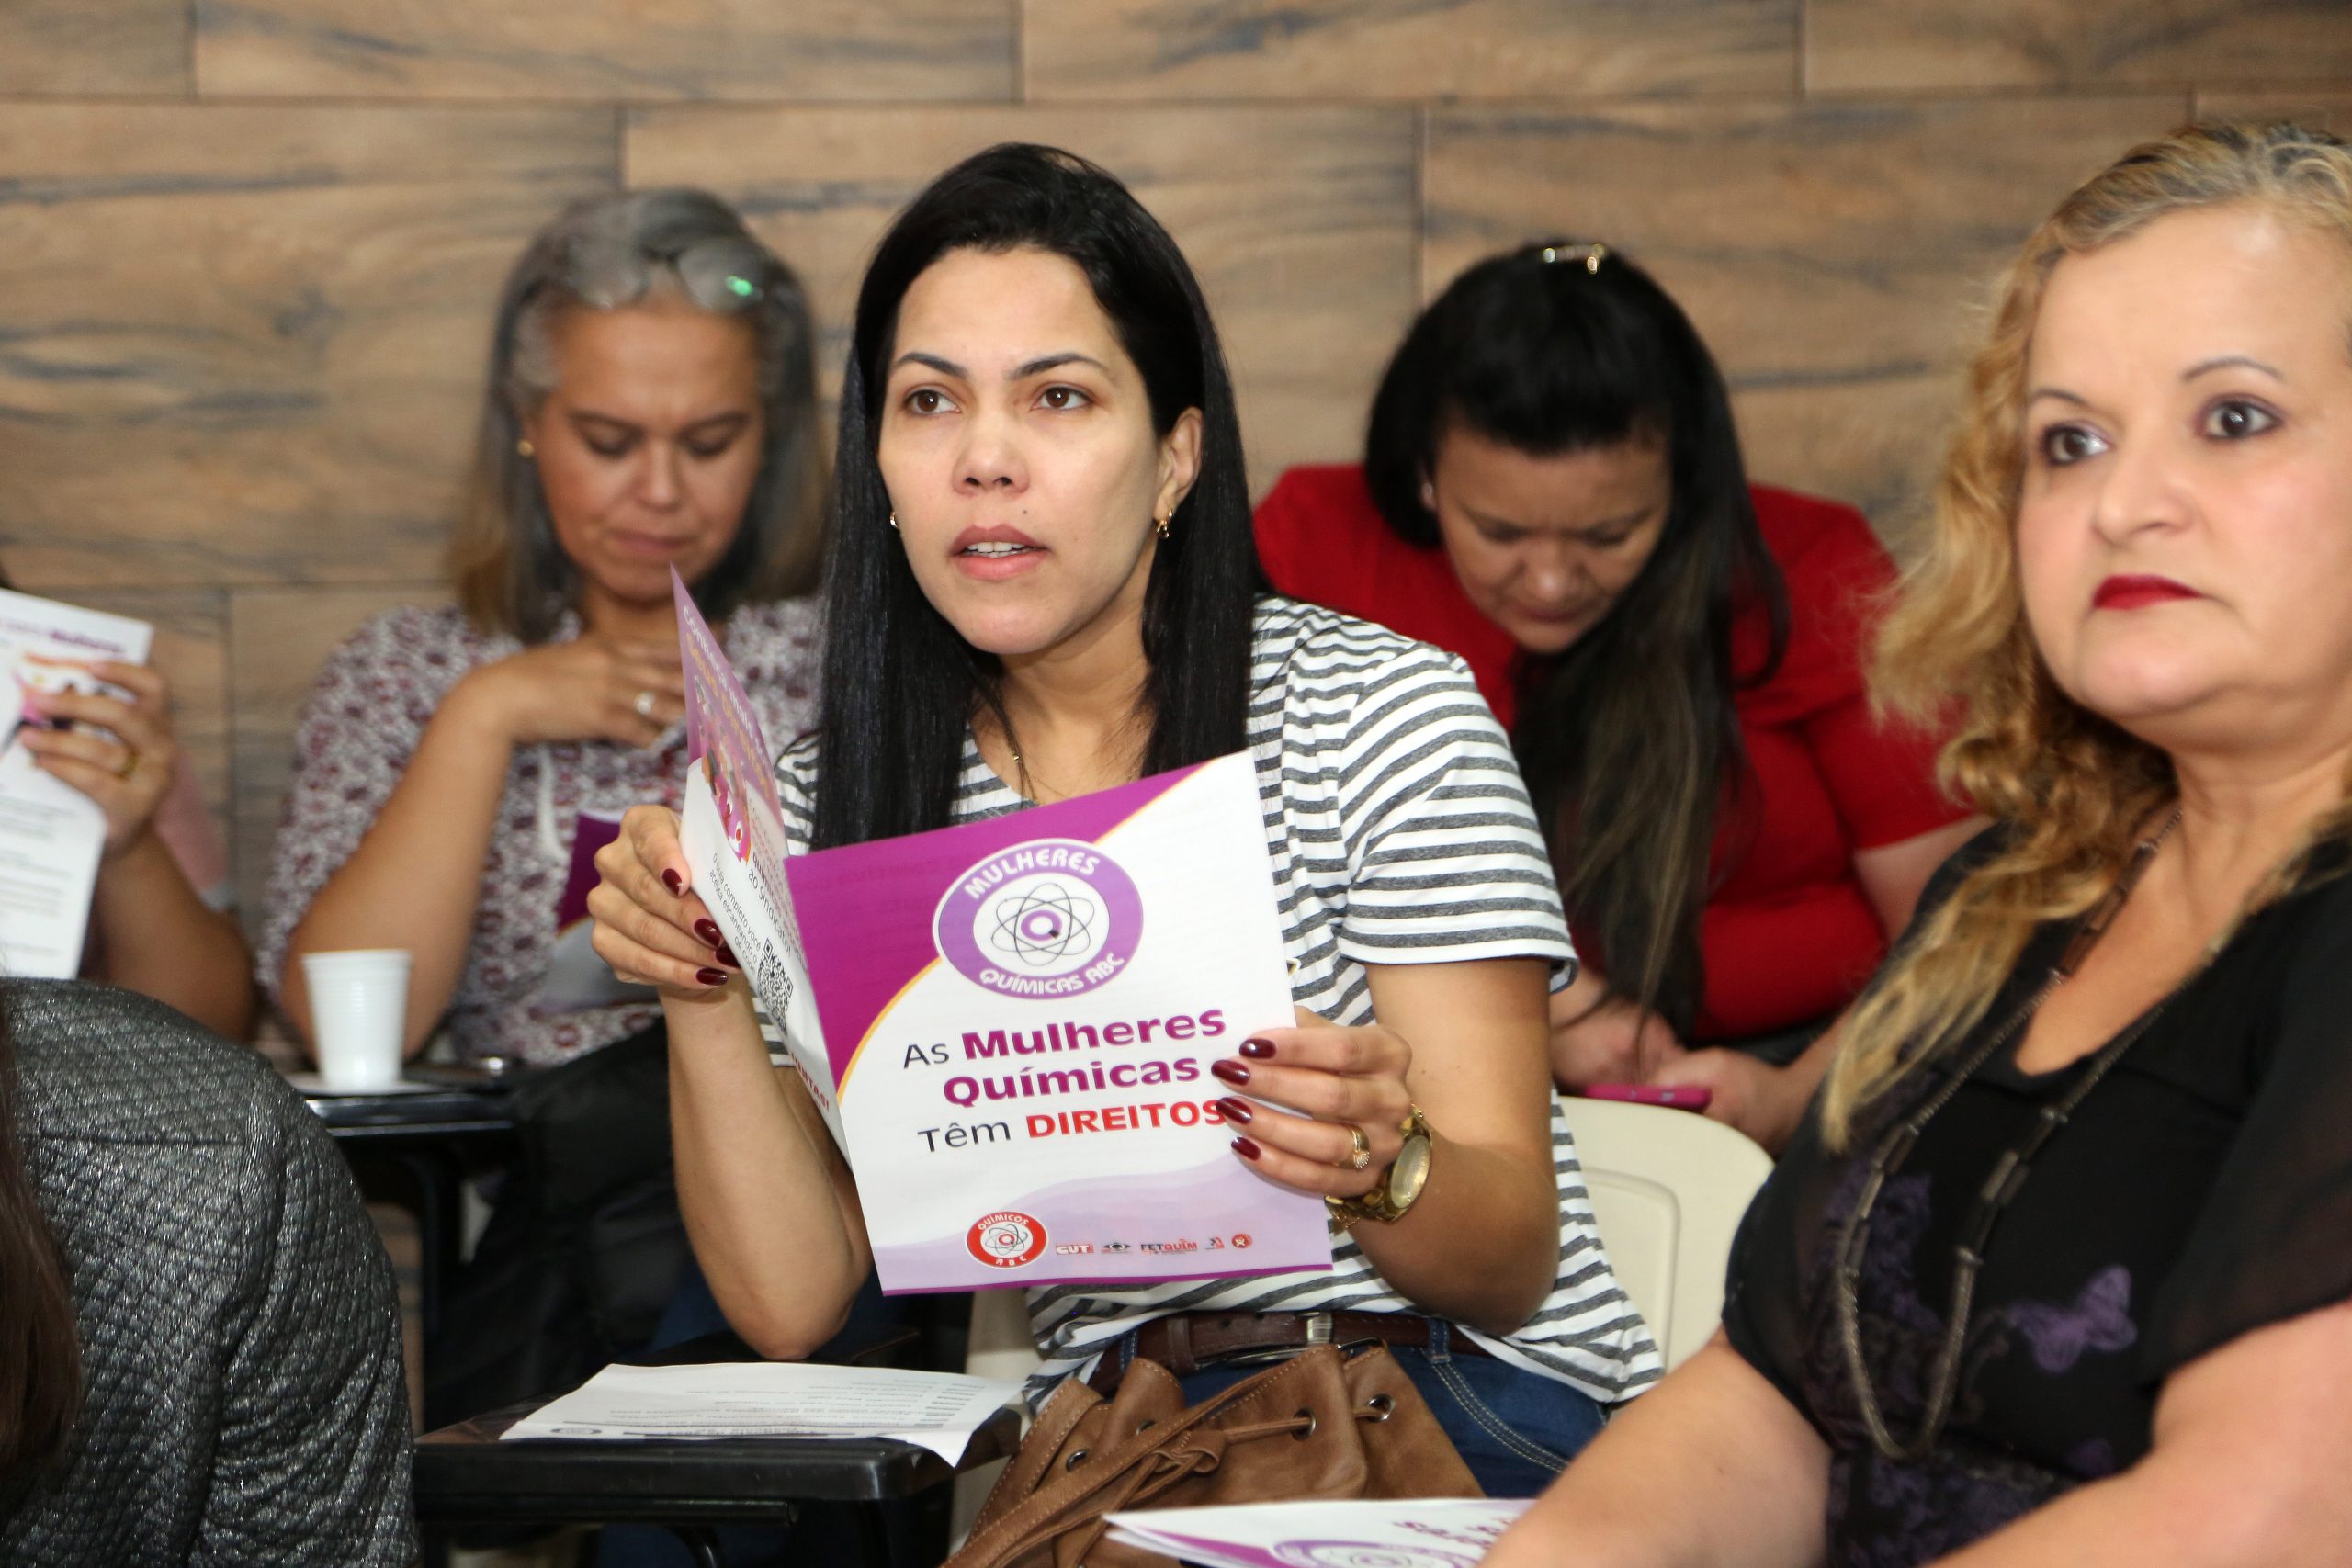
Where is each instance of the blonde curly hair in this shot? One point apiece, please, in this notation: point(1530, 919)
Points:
point(2072, 791)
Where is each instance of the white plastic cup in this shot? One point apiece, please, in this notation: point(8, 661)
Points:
point(358, 1010)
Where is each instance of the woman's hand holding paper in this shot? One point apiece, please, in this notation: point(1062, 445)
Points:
point(1338, 1079)
point(650, 925)
point(121, 754)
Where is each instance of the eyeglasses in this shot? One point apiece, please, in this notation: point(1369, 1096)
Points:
point(722, 274)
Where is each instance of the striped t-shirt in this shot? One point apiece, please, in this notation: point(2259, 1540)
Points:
point(1400, 833)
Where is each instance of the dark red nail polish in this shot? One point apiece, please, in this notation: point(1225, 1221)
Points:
point(1245, 1148)
point(1236, 1110)
point(674, 882)
point(709, 933)
point(1261, 1049)
point(1231, 1072)
point(711, 976)
point(726, 956)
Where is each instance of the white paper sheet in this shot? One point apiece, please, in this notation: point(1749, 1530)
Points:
point(938, 1411)
point(51, 833)
point(1434, 1532)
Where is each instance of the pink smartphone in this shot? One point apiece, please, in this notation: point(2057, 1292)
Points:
point(1683, 1096)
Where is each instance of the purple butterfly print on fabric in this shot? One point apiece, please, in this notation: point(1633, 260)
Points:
point(2099, 1319)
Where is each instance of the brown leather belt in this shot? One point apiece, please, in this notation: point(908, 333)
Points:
point(1188, 1341)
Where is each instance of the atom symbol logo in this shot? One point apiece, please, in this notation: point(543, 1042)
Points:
point(1042, 924)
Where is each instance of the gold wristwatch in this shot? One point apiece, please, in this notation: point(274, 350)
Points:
point(1400, 1185)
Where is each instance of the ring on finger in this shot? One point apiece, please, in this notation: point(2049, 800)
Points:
point(644, 704)
point(129, 763)
point(1360, 1153)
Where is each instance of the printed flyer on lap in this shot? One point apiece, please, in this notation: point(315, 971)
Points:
point(1428, 1532)
point(1008, 1024)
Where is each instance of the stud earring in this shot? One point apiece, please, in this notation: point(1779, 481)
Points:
point(1159, 526)
point(523, 448)
point(894, 521)
point(1429, 496)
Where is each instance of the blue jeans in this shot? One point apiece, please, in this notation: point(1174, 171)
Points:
point(1515, 1429)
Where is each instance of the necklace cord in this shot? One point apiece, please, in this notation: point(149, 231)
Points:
point(2001, 1187)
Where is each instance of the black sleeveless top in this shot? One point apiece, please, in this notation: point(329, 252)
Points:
point(2203, 1190)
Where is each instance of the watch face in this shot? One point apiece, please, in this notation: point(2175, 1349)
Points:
point(1411, 1169)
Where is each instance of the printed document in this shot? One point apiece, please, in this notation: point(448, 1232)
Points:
point(51, 833)
point(938, 1411)
point(1431, 1532)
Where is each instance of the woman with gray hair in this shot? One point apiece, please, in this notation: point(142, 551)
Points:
point(649, 405)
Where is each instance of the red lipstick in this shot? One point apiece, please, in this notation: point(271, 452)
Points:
point(2139, 593)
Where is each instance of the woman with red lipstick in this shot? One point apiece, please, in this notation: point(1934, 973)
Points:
point(650, 405)
point(2059, 1269)
point(1553, 489)
point(1043, 584)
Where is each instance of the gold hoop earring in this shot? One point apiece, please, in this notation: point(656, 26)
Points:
point(1159, 526)
point(523, 448)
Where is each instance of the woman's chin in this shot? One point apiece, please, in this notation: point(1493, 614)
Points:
point(2160, 705)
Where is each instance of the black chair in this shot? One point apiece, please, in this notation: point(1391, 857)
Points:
point(467, 1475)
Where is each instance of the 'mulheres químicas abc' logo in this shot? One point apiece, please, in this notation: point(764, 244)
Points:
point(1050, 917)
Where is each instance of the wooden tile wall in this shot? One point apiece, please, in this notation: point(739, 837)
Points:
point(248, 247)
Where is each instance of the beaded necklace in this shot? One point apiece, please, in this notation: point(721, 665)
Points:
point(2009, 1174)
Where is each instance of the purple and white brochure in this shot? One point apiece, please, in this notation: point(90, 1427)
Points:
point(731, 828)
point(1429, 1532)
point(1012, 1020)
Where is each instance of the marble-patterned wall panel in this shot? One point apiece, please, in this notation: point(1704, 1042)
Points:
point(55, 47)
point(243, 344)
point(1300, 222)
point(1363, 50)
point(1894, 45)
point(1828, 252)
point(191, 650)
point(2323, 109)
point(279, 636)
point(826, 50)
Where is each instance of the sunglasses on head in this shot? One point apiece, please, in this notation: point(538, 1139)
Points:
point(720, 274)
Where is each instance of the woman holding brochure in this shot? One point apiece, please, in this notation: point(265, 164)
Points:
point(2059, 1269)
point(160, 918)
point(650, 405)
point(1043, 584)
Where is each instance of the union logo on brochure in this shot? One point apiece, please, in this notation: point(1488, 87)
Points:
point(1051, 918)
point(1006, 1240)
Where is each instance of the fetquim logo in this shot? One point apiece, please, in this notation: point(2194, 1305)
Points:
point(1048, 919)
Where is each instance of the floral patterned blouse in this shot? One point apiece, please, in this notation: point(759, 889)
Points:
point(2203, 1189)
point(530, 990)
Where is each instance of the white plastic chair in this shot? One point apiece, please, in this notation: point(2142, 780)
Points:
point(1000, 1347)
point(1669, 1188)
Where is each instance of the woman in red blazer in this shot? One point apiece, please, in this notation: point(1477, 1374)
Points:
point(1553, 489)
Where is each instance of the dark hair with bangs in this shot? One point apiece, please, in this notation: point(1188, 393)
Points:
point(900, 683)
point(1628, 739)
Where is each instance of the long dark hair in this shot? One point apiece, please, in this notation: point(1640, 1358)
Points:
point(901, 684)
point(1628, 739)
point(40, 1344)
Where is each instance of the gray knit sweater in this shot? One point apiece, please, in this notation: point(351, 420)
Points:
point(241, 1339)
